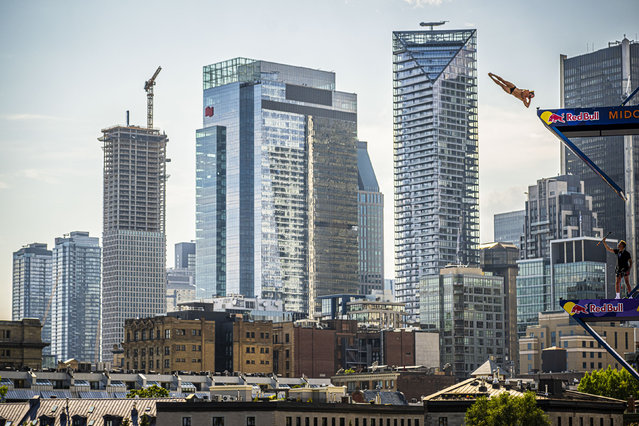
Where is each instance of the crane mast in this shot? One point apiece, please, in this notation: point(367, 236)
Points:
point(148, 86)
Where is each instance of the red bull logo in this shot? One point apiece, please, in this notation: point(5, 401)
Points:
point(552, 118)
point(578, 309)
point(555, 118)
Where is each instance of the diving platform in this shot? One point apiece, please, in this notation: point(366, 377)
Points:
point(589, 311)
point(587, 122)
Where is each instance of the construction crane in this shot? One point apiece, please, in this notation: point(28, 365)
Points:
point(148, 86)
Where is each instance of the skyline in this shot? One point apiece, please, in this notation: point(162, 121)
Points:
point(69, 72)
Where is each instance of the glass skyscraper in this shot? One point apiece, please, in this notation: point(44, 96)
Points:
point(604, 78)
point(435, 155)
point(556, 209)
point(75, 311)
point(509, 227)
point(134, 239)
point(276, 184)
point(32, 287)
point(370, 204)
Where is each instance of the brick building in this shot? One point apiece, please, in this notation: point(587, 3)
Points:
point(21, 344)
point(252, 346)
point(166, 344)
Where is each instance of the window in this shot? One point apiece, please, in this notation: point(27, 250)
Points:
point(289, 421)
point(218, 421)
point(250, 421)
point(167, 334)
point(443, 421)
point(186, 421)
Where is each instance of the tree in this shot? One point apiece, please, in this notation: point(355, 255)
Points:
point(611, 383)
point(506, 410)
point(3, 392)
point(154, 391)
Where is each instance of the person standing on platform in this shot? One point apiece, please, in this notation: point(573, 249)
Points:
point(624, 263)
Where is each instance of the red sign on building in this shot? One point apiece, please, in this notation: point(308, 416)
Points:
point(209, 111)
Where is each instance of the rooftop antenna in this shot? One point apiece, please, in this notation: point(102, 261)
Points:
point(148, 86)
point(432, 24)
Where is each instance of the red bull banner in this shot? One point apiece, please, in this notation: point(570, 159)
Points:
point(606, 121)
point(620, 120)
point(593, 310)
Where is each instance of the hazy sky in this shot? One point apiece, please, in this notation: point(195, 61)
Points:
point(69, 69)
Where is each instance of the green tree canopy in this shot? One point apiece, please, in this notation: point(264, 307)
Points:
point(611, 383)
point(506, 410)
point(3, 392)
point(154, 391)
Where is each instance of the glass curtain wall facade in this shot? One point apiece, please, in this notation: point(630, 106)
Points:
point(604, 78)
point(581, 269)
point(31, 291)
point(75, 311)
point(466, 307)
point(509, 227)
point(276, 184)
point(435, 156)
point(534, 292)
point(134, 239)
point(370, 205)
point(556, 208)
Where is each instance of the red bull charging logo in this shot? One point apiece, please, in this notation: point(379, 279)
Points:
point(552, 118)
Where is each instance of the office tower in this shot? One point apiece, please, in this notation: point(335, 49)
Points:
point(185, 256)
point(435, 155)
point(605, 78)
point(556, 208)
point(370, 237)
point(466, 307)
point(31, 296)
point(134, 240)
point(276, 184)
point(180, 288)
point(75, 310)
point(500, 259)
point(581, 269)
point(509, 227)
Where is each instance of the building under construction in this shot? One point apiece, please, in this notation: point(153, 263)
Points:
point(134, 239)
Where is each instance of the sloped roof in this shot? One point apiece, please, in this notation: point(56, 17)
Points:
point(385, 397)
point(486, 369)
point(92, 409)
point(13, 412)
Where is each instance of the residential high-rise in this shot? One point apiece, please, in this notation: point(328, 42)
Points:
point(185, 256)
point(31, 290)
point(276, 184)
point(134, 240)
point(509, 227)
point(581, 269)
point(556, 208)
point(370, 205)
point(466, 306)
point(501, 260)
point(605, 78)
point(75, 311)
point(436, 164)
